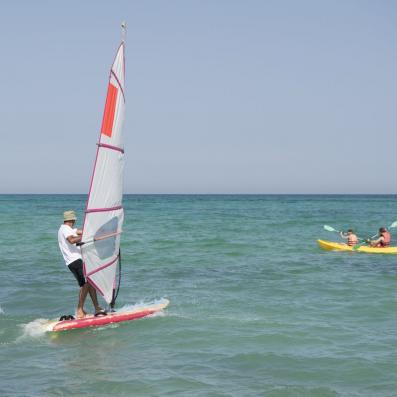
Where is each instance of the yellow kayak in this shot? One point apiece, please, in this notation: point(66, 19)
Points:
point(332, 246)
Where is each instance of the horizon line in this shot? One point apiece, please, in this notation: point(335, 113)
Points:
point(208, 194)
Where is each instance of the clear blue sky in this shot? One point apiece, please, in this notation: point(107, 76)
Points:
point(222, 96)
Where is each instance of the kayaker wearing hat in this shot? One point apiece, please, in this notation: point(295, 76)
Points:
point(67, 239)
point(352, 239)
point(383, 240)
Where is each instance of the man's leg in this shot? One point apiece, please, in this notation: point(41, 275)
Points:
point(94, 298)
point(82, 296)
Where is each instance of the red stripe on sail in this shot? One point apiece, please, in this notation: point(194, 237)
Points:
point(88, 210)
point(119, 149)
point(98, 269)
point(110, 108)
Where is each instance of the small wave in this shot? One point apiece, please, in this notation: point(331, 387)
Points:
point(105, 327)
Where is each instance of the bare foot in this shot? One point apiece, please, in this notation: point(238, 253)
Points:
point(80, 313)
point(98, 309)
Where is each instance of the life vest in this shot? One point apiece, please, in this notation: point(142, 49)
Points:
point(386, 239)
point(352, 240)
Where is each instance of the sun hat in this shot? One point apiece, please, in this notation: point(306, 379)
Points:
point(69, 216)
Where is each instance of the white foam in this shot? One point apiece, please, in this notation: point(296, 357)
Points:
point(142, 304)
point(1, 310)
point(160, 313)
point(35, 328)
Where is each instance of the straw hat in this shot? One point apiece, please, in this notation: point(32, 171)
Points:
point(69, 216)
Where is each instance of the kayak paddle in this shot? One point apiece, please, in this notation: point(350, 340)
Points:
point(357, 246)
point(330, 229)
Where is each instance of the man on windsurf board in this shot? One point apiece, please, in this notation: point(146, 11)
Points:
point(68, 237)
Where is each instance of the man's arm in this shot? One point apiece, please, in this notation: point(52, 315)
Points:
point(343, 235)
point(377, 241)
point(74, 239)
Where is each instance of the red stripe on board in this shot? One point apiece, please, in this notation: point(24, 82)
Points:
point(110, 108)
point(102, 320)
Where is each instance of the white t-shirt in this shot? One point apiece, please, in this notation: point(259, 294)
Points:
point(69, 251)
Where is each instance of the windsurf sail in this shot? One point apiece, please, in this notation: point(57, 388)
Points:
point(104, 213)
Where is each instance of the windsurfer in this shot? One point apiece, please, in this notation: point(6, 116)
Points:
point(383, 240)
point(67, 239)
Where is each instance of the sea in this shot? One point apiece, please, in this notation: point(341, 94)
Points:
point(256, 307)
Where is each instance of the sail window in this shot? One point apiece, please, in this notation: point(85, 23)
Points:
point(106, 246)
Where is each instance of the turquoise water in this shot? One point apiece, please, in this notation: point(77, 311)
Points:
point(257, 309)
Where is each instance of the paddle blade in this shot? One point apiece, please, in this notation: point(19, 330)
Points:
point(394, 224)
point(329, 228)
point(357, 246)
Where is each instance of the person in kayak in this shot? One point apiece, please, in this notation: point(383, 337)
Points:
point(67, 239)
point(351, 238)
point(383, 240)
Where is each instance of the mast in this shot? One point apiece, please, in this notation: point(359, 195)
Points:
point(123, 31)
point(104, 212)
point(116, 286)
